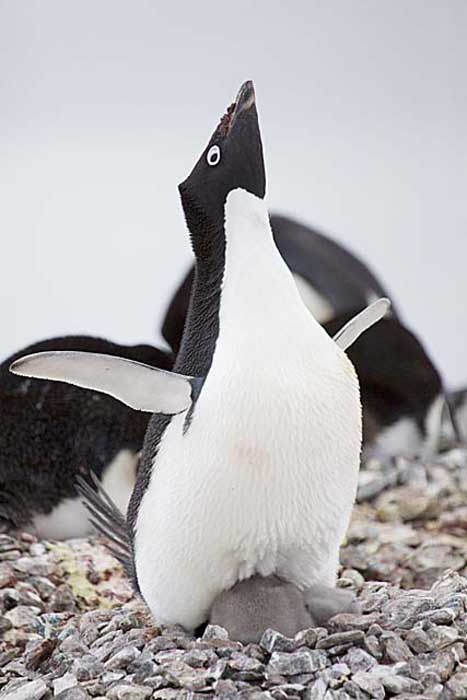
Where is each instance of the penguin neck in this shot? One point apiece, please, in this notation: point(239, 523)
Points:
point(202, 321)
point(259, 294)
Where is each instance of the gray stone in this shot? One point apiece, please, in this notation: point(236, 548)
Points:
point(354, 691)
point(346, 621)
point(170, 694)
point(225, 690)
point(75, 693)
point(359, 660)
point(31, 566)
point(397, 684)
point(33, 690)
point(305, 638)
point(155, 682)
point(215, 632)
point(287, 691)
point(73, 646)
point(87, 667)
point(373, 647)
point(457, 685)
point(403, 611)
point(197, 658)
point(68, 680)
point(275, 641)
point(442, 616)
point(123, 691)
point(23, 616)
point(187, 677)
point(5, 625)
point(430, 637)
point(341, 638)
point(241, 662)
point(395, 648)
point(370, 683)
point(441, 663)
point(122, 658)
point(169, 656)
point(7, 575)
point(302, 661)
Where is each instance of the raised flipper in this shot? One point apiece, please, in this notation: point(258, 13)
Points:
point(361, 322)
point(135, 384)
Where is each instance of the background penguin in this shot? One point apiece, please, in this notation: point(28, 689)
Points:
point(253, 468)
point(330, 279)
point(50, 432)
point(402, 393)
point(456, 418)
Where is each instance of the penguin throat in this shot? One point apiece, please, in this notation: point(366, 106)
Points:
point(202, 320)
point(258, 290)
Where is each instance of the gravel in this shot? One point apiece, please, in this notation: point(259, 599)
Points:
point(72, 629)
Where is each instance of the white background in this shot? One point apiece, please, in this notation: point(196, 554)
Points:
point(106, 105)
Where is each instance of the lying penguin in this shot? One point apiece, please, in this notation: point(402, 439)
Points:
point(331, 280)
point(51, 432)
point(402, 392)
point(456, 418)
point(250, 461)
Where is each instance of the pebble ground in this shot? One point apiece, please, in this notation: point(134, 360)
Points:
point(71, 628)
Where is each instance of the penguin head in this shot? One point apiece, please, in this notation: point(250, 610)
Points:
point(233, 159)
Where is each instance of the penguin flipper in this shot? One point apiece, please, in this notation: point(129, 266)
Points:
point(357, 325)
point(139, 386)
point(104, 515)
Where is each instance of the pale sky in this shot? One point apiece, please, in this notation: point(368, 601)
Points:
point(105, 106)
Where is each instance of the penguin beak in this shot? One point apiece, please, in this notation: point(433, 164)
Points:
point(245, 100)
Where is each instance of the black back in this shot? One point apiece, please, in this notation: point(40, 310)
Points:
point(344, 280)
point(51, 431)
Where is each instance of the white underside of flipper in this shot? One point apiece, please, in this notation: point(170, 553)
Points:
point(357, 325)
point(139, 386)
point(265, 477)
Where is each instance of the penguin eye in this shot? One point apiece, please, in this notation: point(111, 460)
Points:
point(213, 155)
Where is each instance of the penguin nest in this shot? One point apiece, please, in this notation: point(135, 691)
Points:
point(71, 627)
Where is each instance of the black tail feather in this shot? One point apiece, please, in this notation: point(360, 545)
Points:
point(107, 519)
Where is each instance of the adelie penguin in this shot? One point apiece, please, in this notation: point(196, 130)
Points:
point(252, 468)
point(50, 433)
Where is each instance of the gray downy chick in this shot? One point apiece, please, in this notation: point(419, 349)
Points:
point(259, 603)
point(323, 602)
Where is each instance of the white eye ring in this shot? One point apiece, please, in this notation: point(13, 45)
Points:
point(213, 155)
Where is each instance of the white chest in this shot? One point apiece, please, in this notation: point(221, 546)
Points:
point(265, 477)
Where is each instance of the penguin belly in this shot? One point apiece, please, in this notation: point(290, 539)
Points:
point(262, 481)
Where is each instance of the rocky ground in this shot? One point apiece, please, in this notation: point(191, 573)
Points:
point(72, 629)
